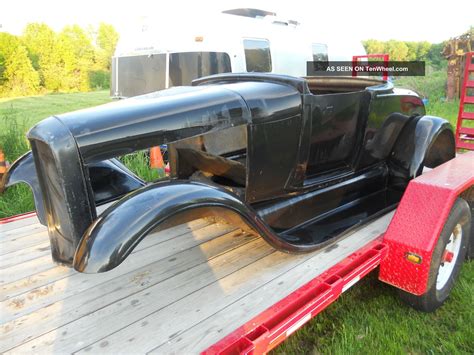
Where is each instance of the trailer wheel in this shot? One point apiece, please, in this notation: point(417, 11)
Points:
point(470, 247)
point(446, 261)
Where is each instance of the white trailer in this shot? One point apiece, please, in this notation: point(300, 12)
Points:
point(160, 56)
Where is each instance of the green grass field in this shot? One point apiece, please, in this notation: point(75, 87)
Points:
point(367, 319)
point(16, 117)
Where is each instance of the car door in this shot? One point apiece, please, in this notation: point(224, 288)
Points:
point(337, 125)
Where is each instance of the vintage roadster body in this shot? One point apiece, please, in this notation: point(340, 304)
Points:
point(300, 161)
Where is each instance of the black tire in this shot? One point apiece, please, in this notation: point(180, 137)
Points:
point(470, 247)
point(434, 298)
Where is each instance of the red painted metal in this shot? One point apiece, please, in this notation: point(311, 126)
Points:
point(384, 57)
point(17, 217)
point(275, 324)
point(468, 116)
point(464, 135)
point(448, 256)
point(419, 219)
point(464, 145)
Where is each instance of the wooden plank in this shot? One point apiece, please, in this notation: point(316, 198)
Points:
point(155, 305)
point(21, 232)
point(26, 254)
point(25, 227)
point(25, 269)
point(21, 291)
point(10, 246)
point(37, 280)
point(83, 303)
point(98, 319)
point(77, 283)
point(40, 250)
point(210, 330)
point(44, 263)
point(39, 234)
point(236, 299)
point(4, 227)
point(201, 303)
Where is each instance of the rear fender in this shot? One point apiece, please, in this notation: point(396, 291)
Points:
point(426, 141)
point(114, 235)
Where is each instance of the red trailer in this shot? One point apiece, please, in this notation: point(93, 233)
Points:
point(421, 253)
point(250, 309)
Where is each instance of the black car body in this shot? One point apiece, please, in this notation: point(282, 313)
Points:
point(301, 161)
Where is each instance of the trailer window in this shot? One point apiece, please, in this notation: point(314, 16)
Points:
point(257, 55)
point(187, 66)
point(320, 52)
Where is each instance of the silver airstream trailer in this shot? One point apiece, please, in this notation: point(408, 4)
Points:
point(157, 56)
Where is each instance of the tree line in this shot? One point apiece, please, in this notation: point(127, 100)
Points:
point(42, 60)
point(76, 59)
point(400, 50)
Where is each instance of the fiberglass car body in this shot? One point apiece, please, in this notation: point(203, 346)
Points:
point(300, 161)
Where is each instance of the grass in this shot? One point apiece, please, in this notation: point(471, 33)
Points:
point(31, 110)
point(371, 318)
point(18, 115)
point(430, 86)
point(367, 318)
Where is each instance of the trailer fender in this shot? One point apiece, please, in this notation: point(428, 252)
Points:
point(109, 180)
point(426, 141)
point(421, 215)
point(114, 235)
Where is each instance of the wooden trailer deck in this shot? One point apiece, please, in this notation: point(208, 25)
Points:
point(181, 290)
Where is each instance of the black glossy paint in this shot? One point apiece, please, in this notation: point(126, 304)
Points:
point(23, 170)
point(109, 179)
point(316, 165)
point(155, 204)
point(424, 141)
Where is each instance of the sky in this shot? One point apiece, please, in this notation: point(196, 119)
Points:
point(407, 20)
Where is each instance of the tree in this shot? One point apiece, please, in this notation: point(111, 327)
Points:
point(435, 55)
point(373, 46)
point(412, 50)
point(423, 50)
point(397, 50)
point(41, 42)
point(8, 44)
point(21, 77)
point(107, 39)
point(76, 55)
point(72, 60)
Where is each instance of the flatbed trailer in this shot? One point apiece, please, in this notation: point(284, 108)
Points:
point(208, 287)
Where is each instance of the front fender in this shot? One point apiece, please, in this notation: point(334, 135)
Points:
point(23, 170)
point(109, 180)
point(113, 236)
point(426, 141)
